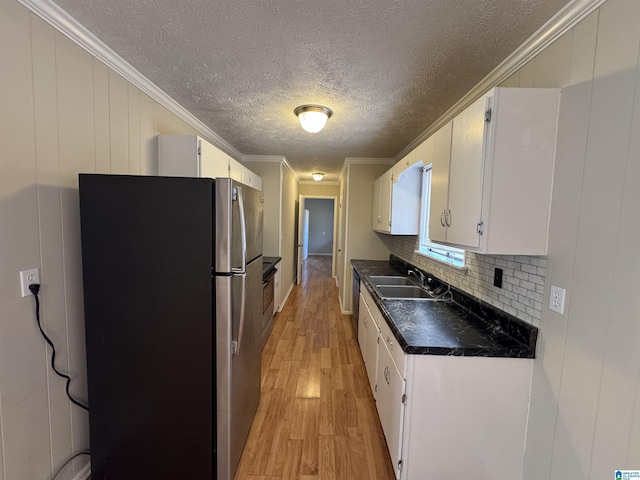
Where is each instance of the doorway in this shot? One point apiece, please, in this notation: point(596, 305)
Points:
point(321, 227)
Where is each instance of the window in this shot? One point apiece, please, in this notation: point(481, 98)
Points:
point(442, 253)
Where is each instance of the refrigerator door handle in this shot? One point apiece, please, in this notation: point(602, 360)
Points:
point(243, 231)
point(235, 345)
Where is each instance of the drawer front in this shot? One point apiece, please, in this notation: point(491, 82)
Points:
point(368, 299)
point(398, 355)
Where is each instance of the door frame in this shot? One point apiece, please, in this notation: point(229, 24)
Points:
point(334, 254)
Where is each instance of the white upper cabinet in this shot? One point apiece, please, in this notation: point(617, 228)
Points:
point(500, 173)
point(382, 202)
point(190, 156)
point(438, 146)
point(396, 199)
point(193, 156)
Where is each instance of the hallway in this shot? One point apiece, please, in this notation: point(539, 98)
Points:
point(317, 418)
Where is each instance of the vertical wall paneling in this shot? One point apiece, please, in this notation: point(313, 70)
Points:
point(512, 81)
point(148, 142)
point(289, 221)
point(527, 74)
point(77, 150)
point(134, 130)
point(119, 123)
point(101, 117)
point(573, 126)
point(633, 450)
point(50, 211)
point(622, 356)
point(555, 58)
point(63, 113)
point(23, 405)
point(590, 301)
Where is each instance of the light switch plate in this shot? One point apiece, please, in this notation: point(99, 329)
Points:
point(556, 299)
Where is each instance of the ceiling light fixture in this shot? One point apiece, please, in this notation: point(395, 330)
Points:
point(317, 176)
point(313, 118)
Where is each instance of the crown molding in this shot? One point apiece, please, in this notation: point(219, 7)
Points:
point(59, 19)
point(263, 158)
point(370, 161)
point(287, 165)
point(559, 24)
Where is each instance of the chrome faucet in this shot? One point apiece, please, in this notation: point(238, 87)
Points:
point(418, 274)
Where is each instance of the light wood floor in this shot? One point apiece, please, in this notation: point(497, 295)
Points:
point(317, 418)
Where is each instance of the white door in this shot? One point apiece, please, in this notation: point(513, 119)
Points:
point(300, 243)
point(305, 235)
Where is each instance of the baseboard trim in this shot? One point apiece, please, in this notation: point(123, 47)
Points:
point(286, 297)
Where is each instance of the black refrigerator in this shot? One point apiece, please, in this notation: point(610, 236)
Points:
point(172, 277)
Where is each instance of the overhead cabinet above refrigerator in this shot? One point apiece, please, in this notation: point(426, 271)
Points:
point(193, 156)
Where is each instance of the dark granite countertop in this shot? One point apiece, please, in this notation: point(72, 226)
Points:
point(463, 327)
point(269, 264)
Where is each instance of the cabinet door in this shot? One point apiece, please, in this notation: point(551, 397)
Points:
point(235, 170)
point(363, 318)
point(178, 155)
point(466, 175)
point(256, 181)
point(440, 147)
point(371, 354)
point(368, 340)
point(375, 212)
point(389, 401)
point(214, 163)
point(385, 201)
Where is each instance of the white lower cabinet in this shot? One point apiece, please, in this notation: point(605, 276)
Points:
point(368, 340)
point(446, 416)
point(390, 389)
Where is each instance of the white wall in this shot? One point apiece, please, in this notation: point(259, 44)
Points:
point(289, 229)
point(61, 112)
point(320, 225)
point(585, 411)
point(585, 406)
point(360, 241)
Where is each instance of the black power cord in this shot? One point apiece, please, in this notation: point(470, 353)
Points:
point(67, 461)
point(35, 289)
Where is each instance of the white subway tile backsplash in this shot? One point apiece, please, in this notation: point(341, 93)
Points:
point(523, 278)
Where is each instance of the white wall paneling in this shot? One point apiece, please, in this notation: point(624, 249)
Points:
point(63, 113)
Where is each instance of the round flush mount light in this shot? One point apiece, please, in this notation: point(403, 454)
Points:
point(313, 118)
point(317, 176)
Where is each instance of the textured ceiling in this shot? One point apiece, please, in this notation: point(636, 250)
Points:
point(387, 68)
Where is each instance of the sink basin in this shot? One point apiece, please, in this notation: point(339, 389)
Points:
point(390, 280)
point(403, 292)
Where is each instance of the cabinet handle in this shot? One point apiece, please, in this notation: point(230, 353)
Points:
point(448, 218)
point(386, 375)
point(389, 341)
point(442, 218)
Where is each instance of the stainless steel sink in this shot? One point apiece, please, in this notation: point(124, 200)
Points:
point(390, 280)
point(403, 292)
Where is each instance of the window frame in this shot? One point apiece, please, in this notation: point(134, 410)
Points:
point(450, 256)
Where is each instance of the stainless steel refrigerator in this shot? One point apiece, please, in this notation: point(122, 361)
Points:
point(172, 275)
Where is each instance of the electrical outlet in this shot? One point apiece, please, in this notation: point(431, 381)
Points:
point(28, 277)
point(497, 278)
point(556, 299)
